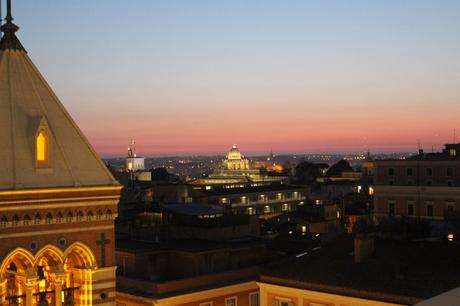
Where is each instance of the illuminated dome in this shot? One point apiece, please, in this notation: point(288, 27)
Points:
point(235, 160)
point(234, 154)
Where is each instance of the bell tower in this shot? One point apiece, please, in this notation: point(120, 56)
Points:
point(57, 199)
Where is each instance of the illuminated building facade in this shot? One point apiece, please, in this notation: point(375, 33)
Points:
point(264, 201)
point(57, 199)
point(235, 160)
point(235, 172)
point(426, 185)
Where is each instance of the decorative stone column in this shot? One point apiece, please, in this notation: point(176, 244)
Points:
point(30, 287)
point(83, 278)
point(31, 284)
point(59, 280)
point(58, 292)
point(2, 291)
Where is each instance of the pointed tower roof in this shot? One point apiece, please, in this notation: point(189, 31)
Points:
point(40, 144)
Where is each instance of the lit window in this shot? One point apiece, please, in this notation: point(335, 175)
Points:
point(232, 301)
point(254, 299)
point(371, 191)
point(41, 146)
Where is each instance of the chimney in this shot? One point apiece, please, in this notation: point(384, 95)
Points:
point(364, 246)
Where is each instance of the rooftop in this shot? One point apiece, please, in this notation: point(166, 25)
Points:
point(404, 272)
point(193, 209)
point(256, 189)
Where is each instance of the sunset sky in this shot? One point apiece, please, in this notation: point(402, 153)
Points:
point(194, 77)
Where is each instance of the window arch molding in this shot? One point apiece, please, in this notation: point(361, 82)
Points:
point(43, 145)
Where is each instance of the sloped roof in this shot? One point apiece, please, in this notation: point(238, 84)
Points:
point(26, 103)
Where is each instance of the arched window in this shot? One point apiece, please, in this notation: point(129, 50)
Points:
point(80, 216)
point(89, 216)
point(59, 218)
point(26, 220)
point(109, 215)
point(99, 215)
point(69, 218)
point(37, 219)
point(4, 222)
point(41, 144)
point(49, 218)
point(15, 220)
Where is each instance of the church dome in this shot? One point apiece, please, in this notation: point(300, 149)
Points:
point(234, 154)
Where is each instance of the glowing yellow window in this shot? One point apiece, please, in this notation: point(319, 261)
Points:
point(41, 147)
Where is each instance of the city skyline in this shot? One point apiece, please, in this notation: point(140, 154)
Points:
point(186, 78)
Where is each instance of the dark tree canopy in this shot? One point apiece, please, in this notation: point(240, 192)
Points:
point(160, 174)
point(339, 167)
point(306, 172)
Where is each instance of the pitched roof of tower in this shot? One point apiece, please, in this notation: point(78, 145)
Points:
point(28, 106)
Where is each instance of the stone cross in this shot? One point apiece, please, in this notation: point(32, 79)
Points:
point(102, 242)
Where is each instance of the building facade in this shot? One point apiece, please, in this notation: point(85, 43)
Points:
point(57, 199)
point(236, 171)
point(426, 185)
point(265, 201)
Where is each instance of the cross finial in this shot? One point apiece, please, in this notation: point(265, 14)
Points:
point(9, 40)
point(9, 17)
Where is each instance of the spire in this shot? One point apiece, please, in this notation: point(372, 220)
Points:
point(9, 40)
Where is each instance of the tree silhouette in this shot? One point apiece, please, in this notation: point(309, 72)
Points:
point(339, 167)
